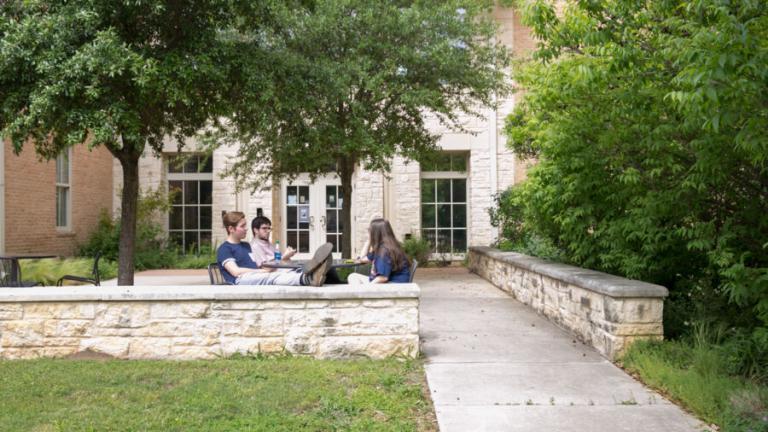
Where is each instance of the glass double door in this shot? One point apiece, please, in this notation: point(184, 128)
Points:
point(312, 215)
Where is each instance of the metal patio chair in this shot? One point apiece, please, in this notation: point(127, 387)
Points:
point(94, 278)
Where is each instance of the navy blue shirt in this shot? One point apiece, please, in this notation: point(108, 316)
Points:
point(382, 266)
point(241, 253)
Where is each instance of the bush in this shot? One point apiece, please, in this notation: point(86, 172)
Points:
point(152, 248)
point(418, 249)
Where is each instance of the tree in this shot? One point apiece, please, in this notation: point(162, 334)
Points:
point(351, 82)
point(119, 74)
point(648, 120)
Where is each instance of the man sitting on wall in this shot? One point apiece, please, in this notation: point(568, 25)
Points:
point(238, 268)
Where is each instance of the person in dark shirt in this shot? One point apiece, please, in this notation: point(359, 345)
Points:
point(238, 268)
point(389, 262)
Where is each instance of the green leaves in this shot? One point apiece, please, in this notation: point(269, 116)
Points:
point(645, 118)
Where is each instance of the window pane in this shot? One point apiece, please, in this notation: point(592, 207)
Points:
point(190, 192)
point(459, 241)
point(303, 217)
point(442, 163)
point(429, 235)
point(206, 213)
point(303, 194)
point(341, 198)
point(427, 191)
point(205, 238)
point(459, 162)
point(176, 188)
point(459, 190)
point(62, 198)
point(303, 242)
point(444, 241)
point(176, 218)
point(62, 167)
point(330, 221)
point(330, 196)
point(175, 165)
point(190, 217)
point(190, 165)
point(291, 239)
point(206, 192)
point(333, 239)
point(176, 238)
point(428, 216)
point(190, 241)
point(443, 190)
point(459, 215)
point(444, 215)
point(291, 195)
point(291, 213)
point(207, 165)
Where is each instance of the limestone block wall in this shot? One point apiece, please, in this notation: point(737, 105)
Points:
point(367, 203)
point(204, 322)
point(605, 311)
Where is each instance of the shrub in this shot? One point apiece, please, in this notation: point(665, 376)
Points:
point(152, 247)
point(417, 248)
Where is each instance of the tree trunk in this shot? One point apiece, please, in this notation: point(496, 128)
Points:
point(129, 206)
point(346, 169)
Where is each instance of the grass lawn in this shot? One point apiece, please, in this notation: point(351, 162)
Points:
point(251, 394)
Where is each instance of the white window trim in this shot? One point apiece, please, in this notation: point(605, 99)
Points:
point(68, 211)
point(198, 176)
point(450, 175)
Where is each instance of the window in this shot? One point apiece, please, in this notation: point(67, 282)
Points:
point(444, 203)
point(63, 189)
point(190, 180)
point(334, 201)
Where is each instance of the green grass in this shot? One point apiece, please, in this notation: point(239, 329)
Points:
point(265, 394)
point(696, 375)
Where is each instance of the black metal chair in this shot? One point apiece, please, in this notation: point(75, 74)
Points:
point(10, 274)
point(214, 274)
point(414, 265)
point(94, 279)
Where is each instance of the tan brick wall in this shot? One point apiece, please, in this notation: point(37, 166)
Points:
point(30, 199)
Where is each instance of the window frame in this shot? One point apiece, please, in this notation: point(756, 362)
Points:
point(185, 176)
point(448, 175)
point(67, 188)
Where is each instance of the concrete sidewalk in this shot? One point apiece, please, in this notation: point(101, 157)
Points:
point(495, 365)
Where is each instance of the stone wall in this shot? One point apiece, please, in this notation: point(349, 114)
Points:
point(605, 311)
point(203, 322)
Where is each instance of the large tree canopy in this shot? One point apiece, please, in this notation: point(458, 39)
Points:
point(122, 74)
point(649, 120)
point(352, 80)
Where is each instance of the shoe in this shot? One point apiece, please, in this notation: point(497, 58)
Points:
point(319, 265)
point(321, 255)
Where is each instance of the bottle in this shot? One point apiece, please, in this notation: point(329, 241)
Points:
point(278, 255)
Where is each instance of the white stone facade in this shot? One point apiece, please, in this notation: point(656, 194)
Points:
point(492, 168)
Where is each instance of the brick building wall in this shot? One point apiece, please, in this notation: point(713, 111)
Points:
point(30, 199)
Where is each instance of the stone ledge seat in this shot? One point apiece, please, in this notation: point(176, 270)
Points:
point(605, 311)
point(210, 321)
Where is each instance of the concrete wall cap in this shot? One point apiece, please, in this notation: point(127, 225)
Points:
point(207, 292)
point(603, 283)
